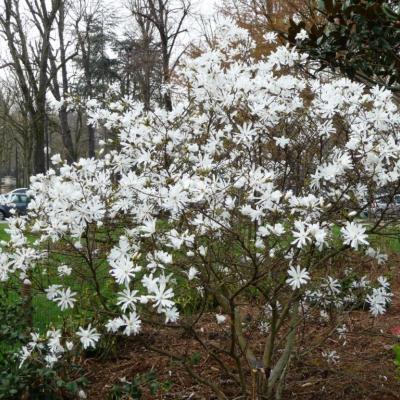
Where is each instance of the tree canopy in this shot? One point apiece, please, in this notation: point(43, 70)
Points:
point(359, 38)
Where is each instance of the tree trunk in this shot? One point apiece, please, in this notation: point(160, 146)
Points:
point(91, 140)
point(66, 135)
point(166, 79)
point(39, 165)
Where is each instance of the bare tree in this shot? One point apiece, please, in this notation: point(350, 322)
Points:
point(15, 128)
point(140, 63)
point(16, 147)
point(29, 63)
point(167, 18)
point(59, 59)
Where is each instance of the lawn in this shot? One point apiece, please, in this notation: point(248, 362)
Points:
point(44, 312)
point(3, 234)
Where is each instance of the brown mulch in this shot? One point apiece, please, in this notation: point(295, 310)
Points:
point(365, 369)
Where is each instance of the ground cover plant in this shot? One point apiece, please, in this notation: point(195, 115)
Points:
point(245, 201)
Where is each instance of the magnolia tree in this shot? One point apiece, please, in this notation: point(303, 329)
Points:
point(249, 194)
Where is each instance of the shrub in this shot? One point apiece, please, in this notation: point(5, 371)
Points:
point(249, 191)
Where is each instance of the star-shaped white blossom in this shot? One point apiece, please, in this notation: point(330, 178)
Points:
point(88, 337)
point(354, 235)
point(298, 277)
point(65, 298)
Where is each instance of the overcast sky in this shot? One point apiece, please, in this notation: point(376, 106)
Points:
point(206, 8)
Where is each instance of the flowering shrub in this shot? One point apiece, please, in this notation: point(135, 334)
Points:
point(251, 188)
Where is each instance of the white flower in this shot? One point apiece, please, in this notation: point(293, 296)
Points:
point(175, 241)
point(54, 342)
point(302, 235)
point(150, 283)
point(380, 257)
point(148, 228)
point(298, 277)
point(354, 235)
point(52, 291)
point(56, 159)
point(271, 37)
point(296, 18)
point(163, 257)
point(281, 141)
point(331, 356)
point(192, 273)
point(171, 315)
point(50, 359)
point(264, 231)
point(332, 285)
point(361, 284)
point(35, 337)
point(377, 305)
point(114, 324)
point(342, 331)
point(264, 327)
point(220, 318)
point(27, 282)
point(378, 300)
point(65, 298)
point(132, 324)
point(124, 270)
point(318, 233)
point(302, 35)
point(128, 299)
point(202, 251)
point(162, 295)
point(24, 354)
point(383, 282)
point(88, 337)
point(278, 229)
point(64, 270)
point(324, 315)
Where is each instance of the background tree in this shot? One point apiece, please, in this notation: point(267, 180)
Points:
point(260, 16)
point(60, 85)
point(359, 38)
point(140, 62)
point(167, 18)
point(93, 30)
point(17, 139)
point(29, 60)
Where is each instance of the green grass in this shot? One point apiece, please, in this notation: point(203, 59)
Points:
point(3, 234)
point(44, 312)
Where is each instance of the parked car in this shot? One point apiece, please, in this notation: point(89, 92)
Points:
point(390, 205)
point(10, 201)
point(19, 191)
